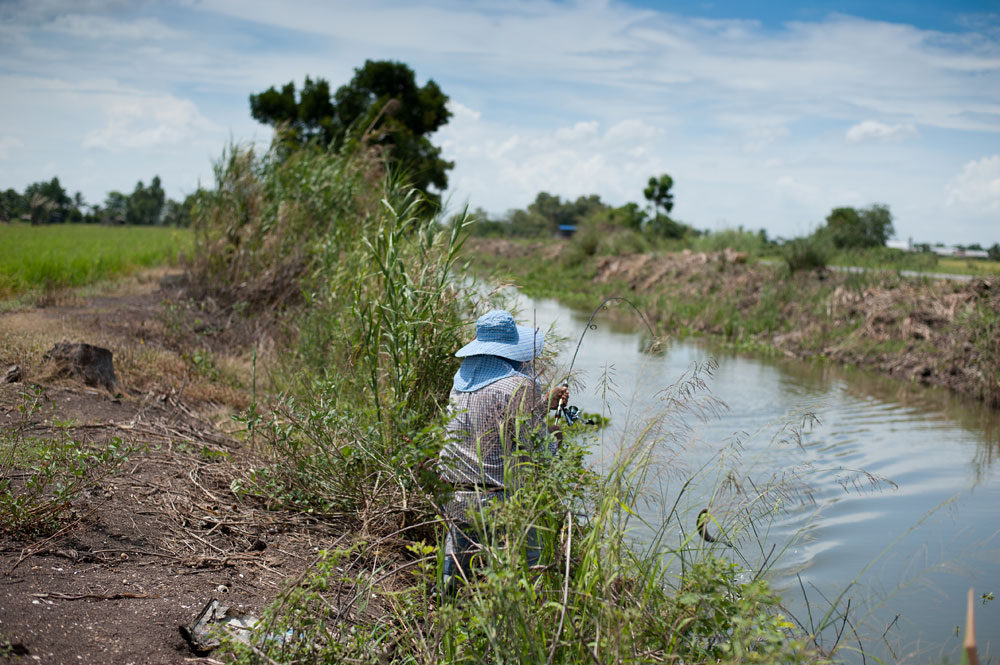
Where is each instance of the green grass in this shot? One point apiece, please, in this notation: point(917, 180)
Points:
point(969, 267)
point(43, 258)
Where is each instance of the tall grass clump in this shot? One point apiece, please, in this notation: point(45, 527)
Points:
point(739, 239)
point(808, 253)
point(263, 227)
point(358, 273)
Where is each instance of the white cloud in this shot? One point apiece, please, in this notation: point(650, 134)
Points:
point(873, 130)
point(977, 186)
point(758, 139)
point(503, 167)
point(103, 27)
point(145, 122)
point(8, 144)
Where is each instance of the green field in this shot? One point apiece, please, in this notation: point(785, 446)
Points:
point(40, 258)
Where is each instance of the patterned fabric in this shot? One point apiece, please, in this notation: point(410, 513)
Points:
point(486, 427)
point(498, 335)
point(480, 371)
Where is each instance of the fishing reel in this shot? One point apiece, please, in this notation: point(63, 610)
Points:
point(572, 415)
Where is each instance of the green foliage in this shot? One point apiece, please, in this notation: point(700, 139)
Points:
point(67, 255)
point(47, 202)
point(661, 226)
point(381, 105)
point(739, 239)
point(380, 319)
point(993, 253)
point(850, 228)
point(145, 205)
point(657, 192)
point(41, 477)
point(261, 232)
point(807, 253)
point(595, 598)
point(630, 216)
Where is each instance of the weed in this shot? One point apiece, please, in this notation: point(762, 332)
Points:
point(805, 254)
point(41, 477)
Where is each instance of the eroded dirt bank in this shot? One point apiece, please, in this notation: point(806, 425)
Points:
point(143, 549)
point(936, 332)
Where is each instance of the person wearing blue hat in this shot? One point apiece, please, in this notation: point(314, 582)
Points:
point(496, 408)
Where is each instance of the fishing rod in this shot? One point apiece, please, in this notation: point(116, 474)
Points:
point(571, 413)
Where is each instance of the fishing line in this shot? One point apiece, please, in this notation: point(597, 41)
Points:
point(592, 326)
point(572, 413)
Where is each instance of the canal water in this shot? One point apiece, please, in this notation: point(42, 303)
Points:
point(887, 494)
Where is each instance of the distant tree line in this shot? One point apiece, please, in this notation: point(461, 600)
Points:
point(47, 202)
point(548, 213)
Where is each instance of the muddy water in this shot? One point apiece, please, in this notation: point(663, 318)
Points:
point(892, 498)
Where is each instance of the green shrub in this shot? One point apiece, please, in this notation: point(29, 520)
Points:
point(807, 253)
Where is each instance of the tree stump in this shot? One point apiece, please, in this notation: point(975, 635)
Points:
point(91, 364)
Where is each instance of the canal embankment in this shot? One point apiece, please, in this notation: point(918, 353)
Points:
point(925, 330)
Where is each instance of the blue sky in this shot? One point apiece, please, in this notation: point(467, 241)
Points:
point(767, 115)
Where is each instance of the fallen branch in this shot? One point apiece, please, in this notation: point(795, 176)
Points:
point(94, 596)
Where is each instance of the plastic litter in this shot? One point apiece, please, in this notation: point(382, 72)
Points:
point(205, 633)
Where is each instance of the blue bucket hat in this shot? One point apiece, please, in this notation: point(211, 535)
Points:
point(498, 335)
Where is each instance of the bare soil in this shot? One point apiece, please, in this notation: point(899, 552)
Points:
point(142, 551)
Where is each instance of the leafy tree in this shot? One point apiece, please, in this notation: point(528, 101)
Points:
point(42, 208)
point(381, 104)
point(115, 208)
point(181, 213)
point(665, 227)
point(994, 252)
point(145, 205)
point(12, 205)
point(630, 216)
point(849, 228)
point(309, 118)
point(47, 201)
point(658, 194)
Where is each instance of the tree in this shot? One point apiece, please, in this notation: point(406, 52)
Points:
point(48, 202)
point(381, 104)
point(181, 214)
point(12, 205)
point(145, 205)
point(310, 118)
point(115, 208)
point(849, 228)
point(630, 216)
point(994, 252)
point(658, 194)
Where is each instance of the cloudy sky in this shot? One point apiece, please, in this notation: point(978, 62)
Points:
point(764, 117)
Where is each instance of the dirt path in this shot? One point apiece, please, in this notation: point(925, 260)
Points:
point(141, 551)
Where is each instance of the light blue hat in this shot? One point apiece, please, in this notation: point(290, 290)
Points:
point(498, 335)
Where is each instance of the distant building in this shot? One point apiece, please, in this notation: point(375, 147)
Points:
point(567, 230)
point(958, 252)
point(905, 245)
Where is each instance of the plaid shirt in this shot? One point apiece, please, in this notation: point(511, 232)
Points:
point(486, 427)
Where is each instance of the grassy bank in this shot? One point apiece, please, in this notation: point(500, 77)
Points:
point(916, 329)
point(364, 283)
point(48, 257)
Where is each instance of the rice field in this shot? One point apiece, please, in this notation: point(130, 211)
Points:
point(43, 258)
